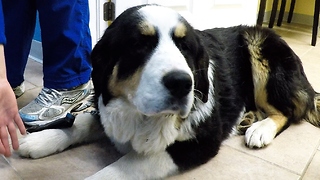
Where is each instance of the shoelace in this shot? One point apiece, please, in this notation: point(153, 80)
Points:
point(47, 96)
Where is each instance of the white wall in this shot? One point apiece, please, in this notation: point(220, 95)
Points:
point(203, 14)
point(97, 24)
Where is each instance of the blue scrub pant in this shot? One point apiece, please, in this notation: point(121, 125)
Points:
point(65, 35)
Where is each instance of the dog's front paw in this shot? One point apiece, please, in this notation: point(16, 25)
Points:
point(261, 133)
point(42, 143)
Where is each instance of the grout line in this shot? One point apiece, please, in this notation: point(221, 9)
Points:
point(14, 169)
point(269, 162)
point(310, 160)
point(308, 50)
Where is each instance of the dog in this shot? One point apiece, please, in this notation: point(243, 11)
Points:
point(169, 94)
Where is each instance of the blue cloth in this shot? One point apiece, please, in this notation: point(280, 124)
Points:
point(65, 35)
point(2, 36)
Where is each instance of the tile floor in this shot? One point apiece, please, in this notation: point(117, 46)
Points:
point(295, 154)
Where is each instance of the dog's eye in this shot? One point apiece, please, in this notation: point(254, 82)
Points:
point(143, 44)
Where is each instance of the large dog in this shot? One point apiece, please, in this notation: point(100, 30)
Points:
point(168, 94)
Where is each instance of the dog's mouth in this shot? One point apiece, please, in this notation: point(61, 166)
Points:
point(181, 111)
point(151, 104)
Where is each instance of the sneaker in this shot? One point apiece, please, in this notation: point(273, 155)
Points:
point(19, 90)
point(52, 104)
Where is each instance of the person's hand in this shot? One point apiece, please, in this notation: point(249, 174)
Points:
point(9, 117)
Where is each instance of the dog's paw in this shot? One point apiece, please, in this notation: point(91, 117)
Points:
point(42, 143)
point(261, 133)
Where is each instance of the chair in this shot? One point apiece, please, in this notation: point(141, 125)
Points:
point(315, 23)
point(273, 11)
point(281, 13)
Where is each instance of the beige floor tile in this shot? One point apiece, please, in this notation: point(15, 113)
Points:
point(28, 96)
point(313, 171)
point(29, 85)
point(6, 171)
point(292, 149)
point(233, 164)
point(74, 163)
point(33, 73)
point(315, 51)
point(311, 64)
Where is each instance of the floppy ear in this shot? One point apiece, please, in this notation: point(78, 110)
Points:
point(201, 74)
point(103, 61)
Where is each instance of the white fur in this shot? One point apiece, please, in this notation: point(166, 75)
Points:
point(50, 141)
point(261, 133)
point(124, 124)
point(151, 96)
point(135, 166)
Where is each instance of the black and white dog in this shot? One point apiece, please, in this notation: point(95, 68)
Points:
point(168, 94)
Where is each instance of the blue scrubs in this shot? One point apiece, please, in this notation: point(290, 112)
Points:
point(2, 36)
point(65, 35)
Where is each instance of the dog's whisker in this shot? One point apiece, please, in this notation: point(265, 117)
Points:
point(198, 93)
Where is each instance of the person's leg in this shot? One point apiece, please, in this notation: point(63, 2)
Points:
point(19, 18)
point(66, 42)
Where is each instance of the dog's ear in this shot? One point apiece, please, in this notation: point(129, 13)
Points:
point(103, 61)
point(201, 74)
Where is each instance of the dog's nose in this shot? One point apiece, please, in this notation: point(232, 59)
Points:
point(179, 83)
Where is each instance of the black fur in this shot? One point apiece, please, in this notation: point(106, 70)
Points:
point(227, 50)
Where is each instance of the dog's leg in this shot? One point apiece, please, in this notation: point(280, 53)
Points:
point(263, 132)
point(138, 166)
point(50, 141)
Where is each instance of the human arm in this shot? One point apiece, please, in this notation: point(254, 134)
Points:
point(9, 116)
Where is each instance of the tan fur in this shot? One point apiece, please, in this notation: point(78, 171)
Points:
point(260, 73)
point(123, 87)
point(146, 28)
point(180, 30)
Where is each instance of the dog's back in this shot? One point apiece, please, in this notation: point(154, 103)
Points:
point(265, 73)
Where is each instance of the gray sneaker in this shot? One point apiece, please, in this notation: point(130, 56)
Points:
point(19, 90)
point(51, 104)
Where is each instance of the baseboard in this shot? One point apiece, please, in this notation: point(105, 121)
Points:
point(296, 18)
point(36, 51)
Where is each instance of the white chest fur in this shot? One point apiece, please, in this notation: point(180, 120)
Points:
point(123, 123)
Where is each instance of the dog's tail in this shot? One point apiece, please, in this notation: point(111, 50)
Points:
point(313, 115)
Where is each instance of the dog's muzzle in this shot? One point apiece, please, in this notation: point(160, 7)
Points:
point(178, 83)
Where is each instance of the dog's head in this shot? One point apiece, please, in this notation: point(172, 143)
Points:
point(152, 58)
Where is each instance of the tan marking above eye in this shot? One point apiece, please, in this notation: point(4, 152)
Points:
point(180, 31)
point(147, 28)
